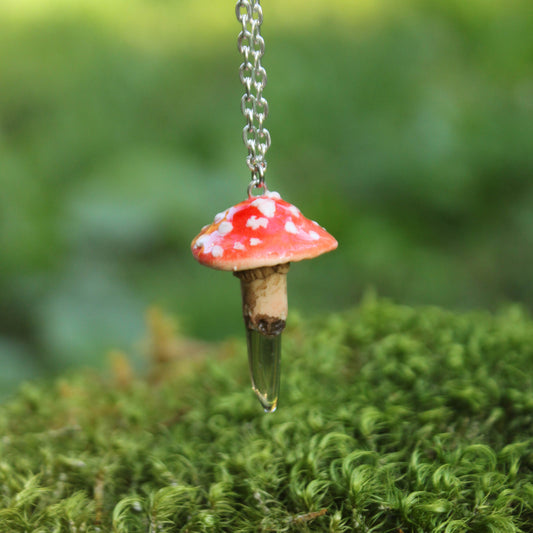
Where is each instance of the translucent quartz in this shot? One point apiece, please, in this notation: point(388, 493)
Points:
point(264, 354)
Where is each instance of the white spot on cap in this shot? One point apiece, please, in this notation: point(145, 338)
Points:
point(266, 206)
point(217, 251)
point(220, 216)
point(290, 227)
point(201, 241)
point(314, 235)
point(273, 194)
point(255, 242)
point(239, 246)
point(229, 213)
point(254, 222)
point(294, 210)
point(225, 227)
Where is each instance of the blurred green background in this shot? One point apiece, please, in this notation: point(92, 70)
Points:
point(406, 128)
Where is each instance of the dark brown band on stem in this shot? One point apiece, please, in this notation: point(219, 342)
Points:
point(267, 325)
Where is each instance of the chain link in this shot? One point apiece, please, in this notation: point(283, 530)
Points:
point(253, 76)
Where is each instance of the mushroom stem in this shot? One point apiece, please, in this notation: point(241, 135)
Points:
point(264, 298)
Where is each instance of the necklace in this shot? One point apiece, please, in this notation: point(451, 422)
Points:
point(253, 76)
point(258, 238)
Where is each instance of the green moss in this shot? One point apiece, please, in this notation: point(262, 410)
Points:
point(391, 419)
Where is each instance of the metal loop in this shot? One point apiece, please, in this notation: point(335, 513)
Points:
point(245, 41)
point(259, 76)
point(245, 74)
point(252, 165)
point(249, 135)
point(257, 45)
point(261, 107)
point(250, 161)
point(247, 107)
point(257, 13)
point(256, 183)
point(242, 17)
point(263, 134)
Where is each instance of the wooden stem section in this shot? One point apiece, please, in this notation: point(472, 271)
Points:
point(264, 298)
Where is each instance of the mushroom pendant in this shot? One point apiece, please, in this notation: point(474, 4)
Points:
point(257, 240)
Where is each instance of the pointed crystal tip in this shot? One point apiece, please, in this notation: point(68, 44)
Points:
point(268, 405)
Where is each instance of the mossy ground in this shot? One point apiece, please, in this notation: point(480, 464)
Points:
point(392, 419)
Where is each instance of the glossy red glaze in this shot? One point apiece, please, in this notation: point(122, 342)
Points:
point(261, 231)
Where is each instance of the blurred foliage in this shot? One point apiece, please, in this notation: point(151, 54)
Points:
point(406, 128)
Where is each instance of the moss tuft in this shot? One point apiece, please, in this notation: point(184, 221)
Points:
point(392, 419)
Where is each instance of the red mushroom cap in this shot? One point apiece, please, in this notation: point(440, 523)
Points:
point(261, 231)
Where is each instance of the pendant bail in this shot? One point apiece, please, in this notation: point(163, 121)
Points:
point(256, 183)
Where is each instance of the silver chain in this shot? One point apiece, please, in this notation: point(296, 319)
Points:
point(253, 76)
